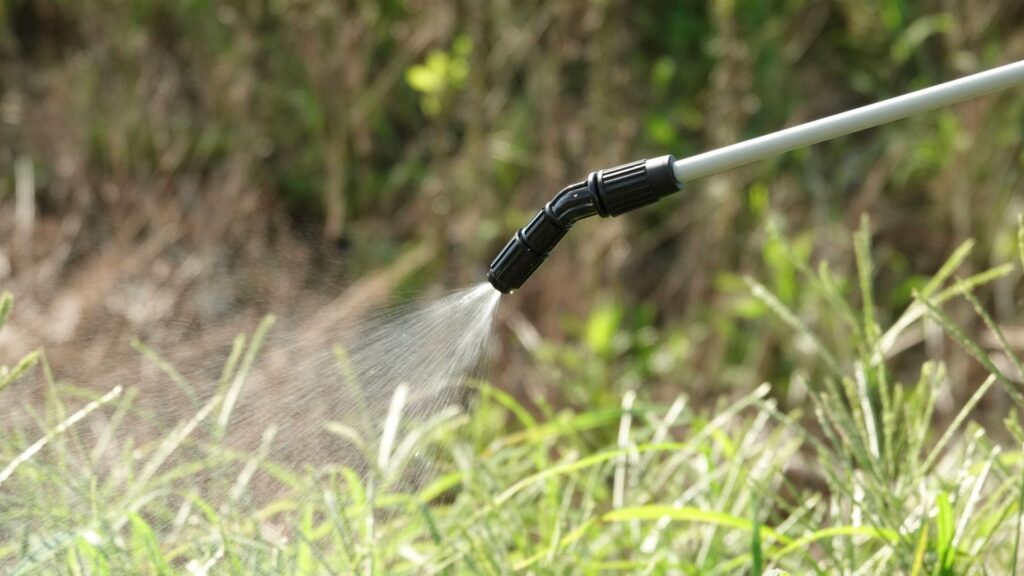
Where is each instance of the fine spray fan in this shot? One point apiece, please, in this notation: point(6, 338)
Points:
point(625, 188)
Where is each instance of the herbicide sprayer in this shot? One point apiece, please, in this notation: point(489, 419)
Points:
point(615, 191)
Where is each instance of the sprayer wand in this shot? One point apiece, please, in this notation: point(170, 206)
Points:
point(625, 188)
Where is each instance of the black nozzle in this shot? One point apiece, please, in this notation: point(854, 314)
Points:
point(607, 192)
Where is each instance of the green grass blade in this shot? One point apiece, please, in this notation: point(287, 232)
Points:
point(919, 551)
point(961, 417)
point(562, 425)
point(41, 549)
point(581, 464)
point(690, 514)
point(948, 267)
point(944, 532)
point(8, 378)
point(1020, 238)
point(1020, 521)
point(563, 543)
point(917, 309)
point(144, 547)
point(993, 327)
point(969, 345)
point(164, 366)
point(801, 543)
point(231, 365)
point(862, 253)
point(790, 318)
point(56, 431)
point(6, 301)
point(235, 389)
point(756, 551)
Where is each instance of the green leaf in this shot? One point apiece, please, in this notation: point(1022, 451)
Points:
point(922, 546)
point(582, 464)
point(944, 530)
point(462, 46)
point(1020, 520)
point(6, 301)
point(663, 71)
point(555, 547)
point(8, 378)
point(144, 545)
point(756, 552)
point(802, 542)
point(660, 130)
point(602, 327)
point(169, 370)
point(440, 486)
point(948, 267)
point(862, 252)
point(960, 418)
point(1020, 238)
point(918, 31)
point(562, 425)
point(788, 316)
point(40, 550)
point(234, 389)
point(356, 490)
point(690, 514)
point(510, 403)
point(305, 561)
point(95, 560)
point(424, 79)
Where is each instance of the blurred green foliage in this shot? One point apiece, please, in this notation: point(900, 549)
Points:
point(869, 484)
point(393, 124)
point(440, 75)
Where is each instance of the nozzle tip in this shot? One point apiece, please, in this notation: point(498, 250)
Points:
point(513, 265)
point(497, 284)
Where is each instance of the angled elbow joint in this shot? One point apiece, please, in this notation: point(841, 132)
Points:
point(607, 192)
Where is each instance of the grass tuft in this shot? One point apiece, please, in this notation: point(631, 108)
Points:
point(863, 482)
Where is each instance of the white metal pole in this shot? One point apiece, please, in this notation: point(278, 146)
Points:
point(841, 124)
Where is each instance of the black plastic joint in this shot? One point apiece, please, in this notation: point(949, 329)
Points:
point(543, 232)
point(608, 192)
point(625, 188)
point(513, 265)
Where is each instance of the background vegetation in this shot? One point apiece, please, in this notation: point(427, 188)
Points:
point(173, 170)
